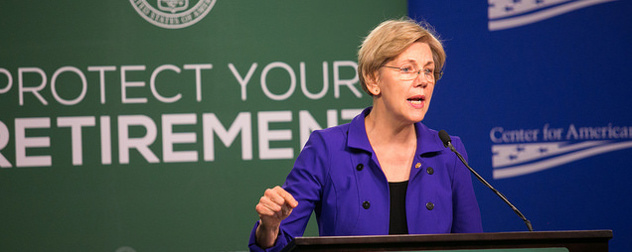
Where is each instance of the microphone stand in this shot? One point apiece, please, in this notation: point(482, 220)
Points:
point(448, 143)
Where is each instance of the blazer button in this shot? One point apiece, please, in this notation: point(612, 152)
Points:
point(429, 170)
point(359, 167)
point(366, 205)
point(429, 206)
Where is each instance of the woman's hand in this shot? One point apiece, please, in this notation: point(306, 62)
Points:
point(275, 205)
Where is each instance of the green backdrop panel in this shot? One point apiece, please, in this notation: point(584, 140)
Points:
point(156, 126)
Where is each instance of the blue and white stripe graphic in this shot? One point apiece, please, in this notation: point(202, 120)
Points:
point(506, 14)
point(511, 160)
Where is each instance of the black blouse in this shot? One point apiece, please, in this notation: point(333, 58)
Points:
point(397, 220)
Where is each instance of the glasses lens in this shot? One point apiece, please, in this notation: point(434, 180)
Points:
point(411, 75)
point(407, 75)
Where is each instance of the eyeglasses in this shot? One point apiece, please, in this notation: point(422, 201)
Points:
point(408, 72)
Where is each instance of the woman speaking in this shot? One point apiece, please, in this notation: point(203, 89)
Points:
point(384, 172)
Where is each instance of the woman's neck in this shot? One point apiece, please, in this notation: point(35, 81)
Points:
point(394, 145)
point(381, 129)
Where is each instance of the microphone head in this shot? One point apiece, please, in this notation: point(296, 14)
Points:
point(445, 138)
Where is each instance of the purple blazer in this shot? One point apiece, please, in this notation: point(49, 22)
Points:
point(337, 176)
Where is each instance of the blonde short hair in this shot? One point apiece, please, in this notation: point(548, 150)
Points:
point(391, 38)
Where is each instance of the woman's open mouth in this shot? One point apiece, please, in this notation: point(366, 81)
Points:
point(417, 101)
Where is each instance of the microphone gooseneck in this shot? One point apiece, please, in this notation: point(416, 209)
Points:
point(447, 142)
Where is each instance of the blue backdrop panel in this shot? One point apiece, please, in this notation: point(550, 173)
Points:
point(540, 92)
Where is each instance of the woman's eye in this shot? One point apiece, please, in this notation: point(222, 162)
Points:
point(406, 69)
point(428, 71)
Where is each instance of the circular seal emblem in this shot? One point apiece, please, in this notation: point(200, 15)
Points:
point(173, 14)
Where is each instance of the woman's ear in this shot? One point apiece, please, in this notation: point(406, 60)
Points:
point(372, 81)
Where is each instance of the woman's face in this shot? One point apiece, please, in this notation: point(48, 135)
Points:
point(404, 93)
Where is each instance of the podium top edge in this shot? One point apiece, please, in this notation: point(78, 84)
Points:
point(491, 236)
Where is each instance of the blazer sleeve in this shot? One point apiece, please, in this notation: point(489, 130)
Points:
point(305, 183)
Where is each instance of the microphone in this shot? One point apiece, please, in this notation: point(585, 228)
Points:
point(447, 142)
